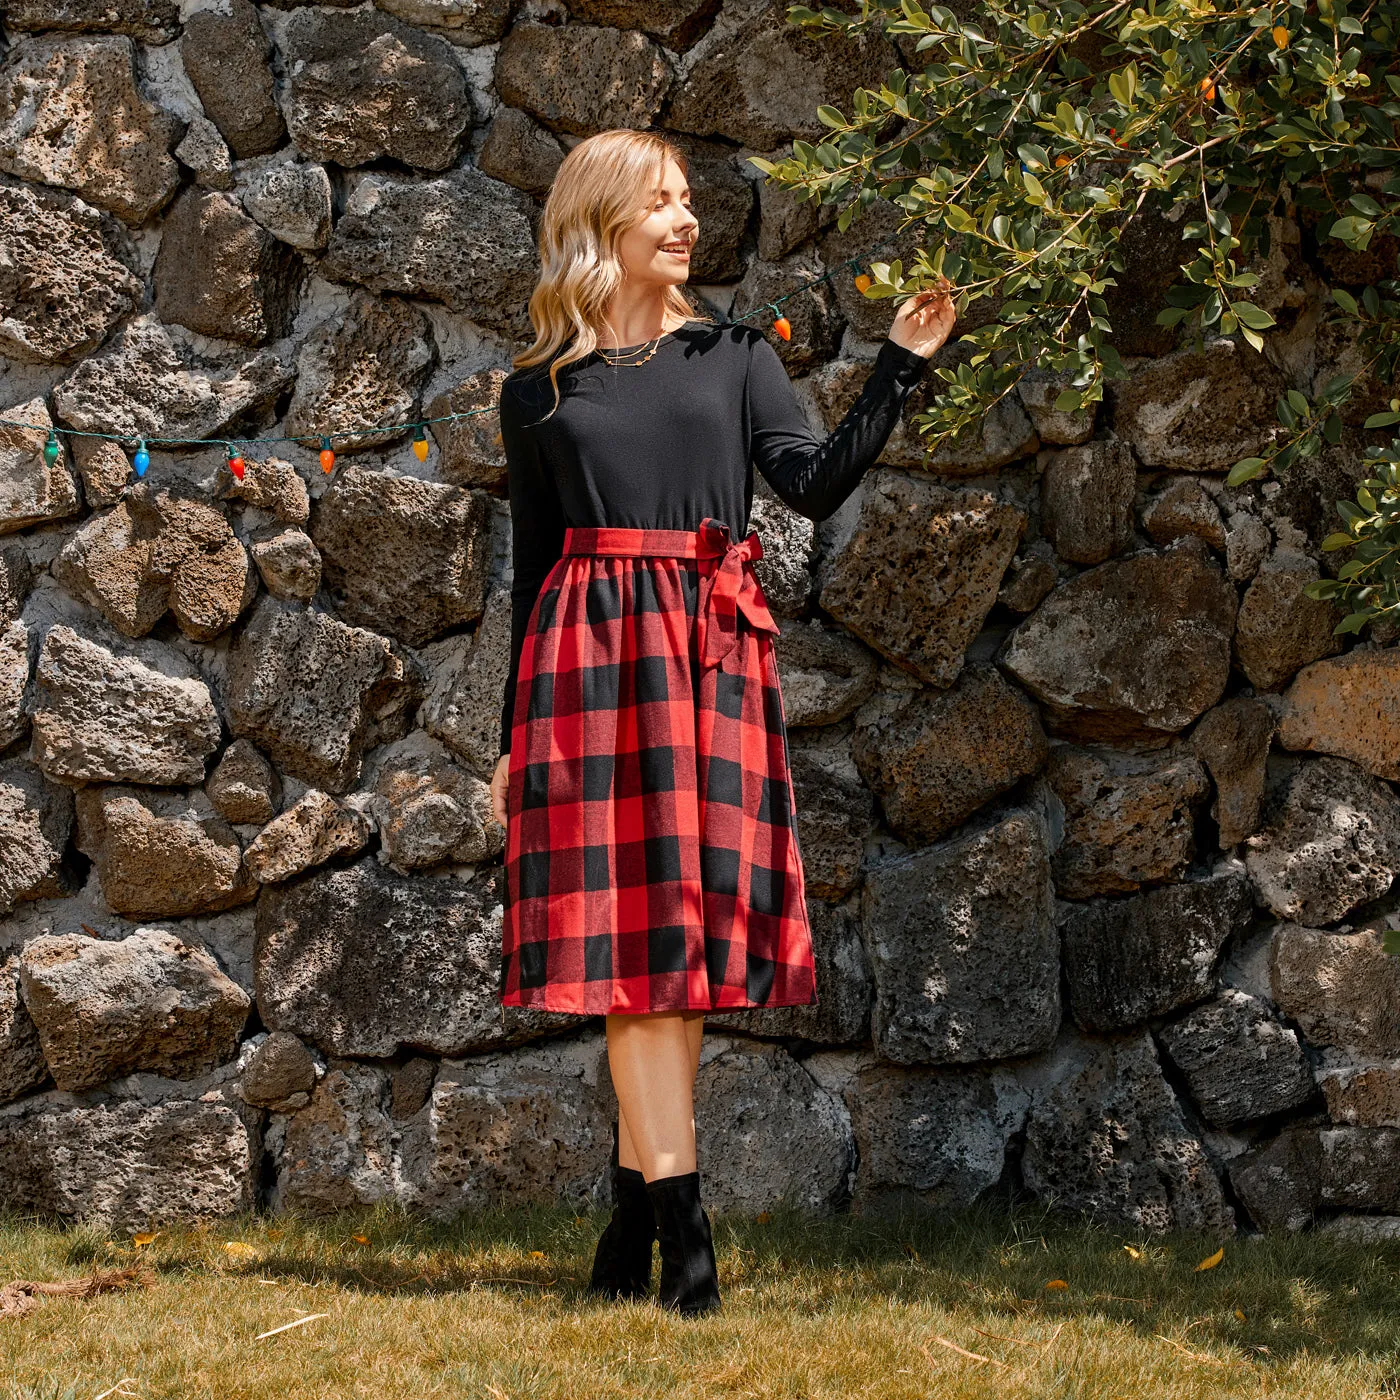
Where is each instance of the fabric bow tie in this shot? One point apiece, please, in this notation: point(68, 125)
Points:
point(729, 590)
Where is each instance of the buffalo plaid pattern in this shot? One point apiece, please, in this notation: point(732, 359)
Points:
point(651, 859)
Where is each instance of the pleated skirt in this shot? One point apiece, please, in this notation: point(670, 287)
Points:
point(652, 859)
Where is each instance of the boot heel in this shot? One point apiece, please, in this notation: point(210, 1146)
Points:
point(689, 1279)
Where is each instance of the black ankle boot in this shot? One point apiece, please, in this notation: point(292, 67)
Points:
point(622, 1263)
point(689, 1282)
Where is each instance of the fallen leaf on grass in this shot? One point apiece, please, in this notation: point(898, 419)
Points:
point(236, 1249)
point(962, 1351)
point(140, 1241)
point(1057, 1284)
point(1240, 1316)
point(287, 1326)
point(912, 1252)
point(537, 1254)
point(1131, 1252)
point(1212, 1261)
point(762, 1218)
point(360, 1239)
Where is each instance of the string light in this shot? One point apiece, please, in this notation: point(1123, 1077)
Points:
point(141, 458)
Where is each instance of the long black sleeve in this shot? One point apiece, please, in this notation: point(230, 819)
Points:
point(536, 528)
point(814, 475)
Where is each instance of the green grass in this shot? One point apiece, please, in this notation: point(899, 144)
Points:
point(493, 1306)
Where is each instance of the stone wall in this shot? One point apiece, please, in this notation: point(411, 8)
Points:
point(1098, 818)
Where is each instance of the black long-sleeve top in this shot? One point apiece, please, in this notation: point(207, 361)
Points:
point(661, 445)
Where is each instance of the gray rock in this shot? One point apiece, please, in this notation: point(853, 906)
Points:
point(1132, 650)
point(1360, 1094)
point(363, 962)
point(1238, 1061)
point(277, 1071)
point(1363, 1229)
point(244, 786)
point(274, 486)
point(728, 89)
point(676, 23)
point(1343, 989)
point(768, 1133)
point(1038, 390)
point(337, 1152)
point(31, 491)
point(146, 383)
point(784, 570)
point(145, 1002)
point(936, 1137)
point(844, 988)
point(139, 715)
point(1086, 501)
point(221, 273)
point(14, 681)
point(16, 579)
point(36, 820)
point(1028, 579)
point(406, 557)
point(581, 78)
point(1129, 818)
point(159, 854)
point(1127, 960)
point(917, 576)
point(1247, 543)
point(1331, 841)
point(428, 810)
point(71, 277)
point(471, 451)
point(526, 1127)
point(1358, 1168)
point(520, 151)
point(22, 1066)
point(962, 944)
point(291, 199)
point(1280, 629)
point(1184, 507)
point(464, 239)
point(1199, 412)
point(226, 55)
point(289, 564)
point(824, 672)
point(1280, 1183)
point(362, 86)
point(77, 118)
point(466, 678)
point(1233, 741)
point(835, 815)
point(1105, 1135)
point(172, 1152)
point(159, 548)
point(153, 21)
point(361, 369)
point(309, 691)
point(947, 753)
point(203, 151)
point(314, 829)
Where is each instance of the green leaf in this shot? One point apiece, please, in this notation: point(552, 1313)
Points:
point(1381, 420)
point(1390, 941)
point(1068, 400)
point(1246, 470)
point(1353, 622)
point(1339, 540)
point(1255, 317)
point(1297, 402)
point(830, 116)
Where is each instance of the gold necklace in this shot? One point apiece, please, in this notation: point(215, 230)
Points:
point(655, 345)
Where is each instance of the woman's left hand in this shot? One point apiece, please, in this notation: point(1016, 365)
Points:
point(925, 321)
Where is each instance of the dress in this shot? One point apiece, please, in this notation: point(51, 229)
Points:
point(652, 859)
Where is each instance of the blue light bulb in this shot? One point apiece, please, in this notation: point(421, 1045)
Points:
point(141, 460)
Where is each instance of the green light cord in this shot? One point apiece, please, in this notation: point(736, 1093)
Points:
point(136, 439)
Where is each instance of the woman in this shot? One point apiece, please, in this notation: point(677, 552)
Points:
point(652, 866)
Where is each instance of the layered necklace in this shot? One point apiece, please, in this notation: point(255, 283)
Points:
point(625, 360)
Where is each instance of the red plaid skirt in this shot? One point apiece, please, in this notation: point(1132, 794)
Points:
point(651, 859)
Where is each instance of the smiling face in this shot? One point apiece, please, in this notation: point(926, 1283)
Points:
point(658, 249)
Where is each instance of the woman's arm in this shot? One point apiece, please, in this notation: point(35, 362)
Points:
point(536, 530)
point(814, 475)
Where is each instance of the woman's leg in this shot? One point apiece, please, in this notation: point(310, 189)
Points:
point(654, 1059)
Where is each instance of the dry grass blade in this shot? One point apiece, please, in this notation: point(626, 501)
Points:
point(962, 1351)
point(287, 1326)
point(1020, 1341)
point(23, 1295)
point(1194, 1355)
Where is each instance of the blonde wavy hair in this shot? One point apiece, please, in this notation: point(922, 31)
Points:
point(602, 189)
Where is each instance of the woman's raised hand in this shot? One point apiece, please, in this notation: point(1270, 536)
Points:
point(925, 320)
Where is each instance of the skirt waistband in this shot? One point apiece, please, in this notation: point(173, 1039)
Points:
point(725, 593)
point(712, 540)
